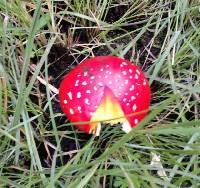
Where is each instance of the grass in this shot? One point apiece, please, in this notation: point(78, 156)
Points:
point(162, 37)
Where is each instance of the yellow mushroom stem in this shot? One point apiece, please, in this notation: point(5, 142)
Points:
point(108, 111)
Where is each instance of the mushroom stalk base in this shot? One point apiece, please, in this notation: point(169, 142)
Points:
point(126, 127)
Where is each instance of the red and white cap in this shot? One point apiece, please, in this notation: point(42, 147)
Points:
point(105, 89)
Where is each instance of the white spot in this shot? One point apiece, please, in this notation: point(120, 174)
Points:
point(126, 82)
point(71, 111)
point(136, 121)
point(84, 83)
point(110, 73)
point(122, 85)
point(95, 88)
point(124, 63)
point(110, 82)
point(119, 76)
point(87, 101)
point(130, 70)
point(79, 108)
point(107, 66)
point(76, 83)
point(95, 106)
point(107, 71)
point(91, 82)
point(138, 84)
point(138, 71)
point(100, 84)
point(101, 69)
point(124, 99)
point(130, 77)
point(85, 73)
point(121, 65)
point(92, 77)
point(70, 95)
point(78, 95)
point(119, 94)
point(132, 88)
point(126, 94)
point(133, 98)
point(98, 129)
point(144, 83)
point(134, 107)
point(136, 76)
point(137, 94)
point(106, 76)
point(78, 75)
point(127, 104)
point(126, 127)
point(91, 113)
point(124, 72)
point(99, 76)
point(88, 91)
point(65, 101)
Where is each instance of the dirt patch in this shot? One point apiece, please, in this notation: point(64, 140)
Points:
point(116, 12)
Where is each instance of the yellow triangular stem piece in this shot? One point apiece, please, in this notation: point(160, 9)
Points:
point(108, 111)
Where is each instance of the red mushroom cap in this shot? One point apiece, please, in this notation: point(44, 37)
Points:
point(104, 88)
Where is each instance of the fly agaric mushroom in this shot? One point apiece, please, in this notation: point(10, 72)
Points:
point(105, 89)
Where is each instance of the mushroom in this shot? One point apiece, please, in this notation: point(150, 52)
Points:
point(105, 89)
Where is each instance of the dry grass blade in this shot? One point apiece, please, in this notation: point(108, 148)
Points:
point(43, 81)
